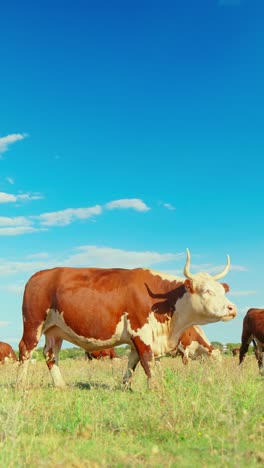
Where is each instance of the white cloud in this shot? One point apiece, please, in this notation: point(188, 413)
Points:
point(169, 206)
point(58, 218)
point(9, 139)
point(91, 255)
point(63, 217)
point(16, 231)
point(27, 196)
point(69, 215)
point(7, 197)
point(17, 221)
point(11, 198)
point(134, 203)
point(16, 226)
point(9, 267)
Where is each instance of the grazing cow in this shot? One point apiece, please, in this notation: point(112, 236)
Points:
point(97, 308)
point(235, 351)
point(7, 353)
point(101, 354)
point(253, 330)
point(194, 344)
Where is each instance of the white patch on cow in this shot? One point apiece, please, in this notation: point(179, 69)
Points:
point(154, 334)
point(166, 276)
point(55, 325)
point(194, 350)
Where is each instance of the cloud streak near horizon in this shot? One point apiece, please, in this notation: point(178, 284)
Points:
point(23, 225)
point(11, 198)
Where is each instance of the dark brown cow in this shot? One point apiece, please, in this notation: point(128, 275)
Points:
point(235, 351)
point(193, 344)
point(98, 308)
point(7, 353)
point(253, 330)
point(101, 354)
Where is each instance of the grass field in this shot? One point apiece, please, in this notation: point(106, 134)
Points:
point(202, 415)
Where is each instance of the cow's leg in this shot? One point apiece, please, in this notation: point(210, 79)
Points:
point(27, 345)
point(146, 358)
point(133, 361)
point(246, 340)
point(185, 357)
point(51, 353)
point(259, 349)
point(260, 362)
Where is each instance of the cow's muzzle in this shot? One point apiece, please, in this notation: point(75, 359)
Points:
point(231, 313)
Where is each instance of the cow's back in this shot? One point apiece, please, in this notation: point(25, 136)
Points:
point(7, 352)
point(253, 323)
point(194, 334)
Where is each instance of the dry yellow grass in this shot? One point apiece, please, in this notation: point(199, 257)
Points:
point(201, 415)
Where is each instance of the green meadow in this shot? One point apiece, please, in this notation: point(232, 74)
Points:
point(200, 415)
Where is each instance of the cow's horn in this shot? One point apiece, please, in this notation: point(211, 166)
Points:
point(186, 270)
point(225, 271)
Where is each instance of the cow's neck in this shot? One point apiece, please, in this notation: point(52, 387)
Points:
point(181, 319)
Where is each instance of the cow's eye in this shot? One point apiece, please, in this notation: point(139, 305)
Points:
point(207, 291)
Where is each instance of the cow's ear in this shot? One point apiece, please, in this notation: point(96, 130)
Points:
point(189, 285)
point(226, 287)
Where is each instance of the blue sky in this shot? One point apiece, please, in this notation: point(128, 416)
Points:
point(128, 132)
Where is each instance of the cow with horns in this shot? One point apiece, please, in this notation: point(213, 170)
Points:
point(253, 330)
point(97, 308)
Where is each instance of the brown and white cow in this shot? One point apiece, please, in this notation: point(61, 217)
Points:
point(101, 354)
point(97, 308)
point(7, 353)
point(194, 344)
point(253, 330)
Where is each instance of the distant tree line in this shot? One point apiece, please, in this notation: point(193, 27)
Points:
point(230, 346)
